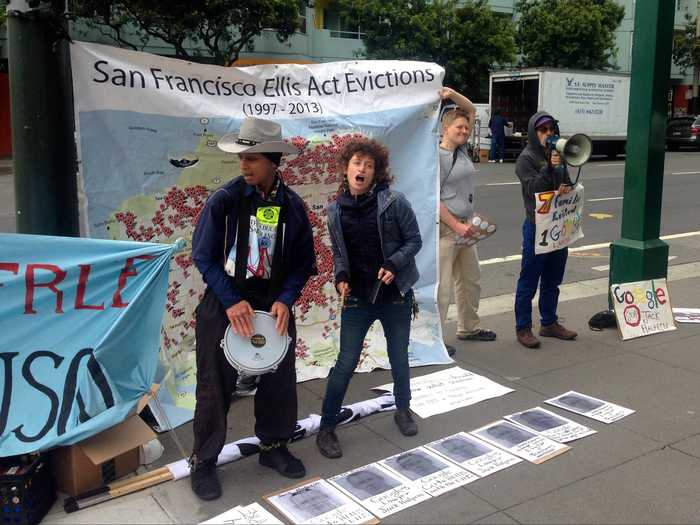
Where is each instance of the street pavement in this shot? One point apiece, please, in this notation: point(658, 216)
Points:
point(642, 469)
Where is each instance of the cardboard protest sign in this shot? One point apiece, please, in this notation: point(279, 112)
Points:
point(642, 308)
point(520, 441)
point(558, 219)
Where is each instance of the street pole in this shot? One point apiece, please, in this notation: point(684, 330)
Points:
point(695, 102)
point(639, 254)
point(43, 146)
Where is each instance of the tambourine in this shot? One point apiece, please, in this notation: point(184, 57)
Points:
point(259, 354)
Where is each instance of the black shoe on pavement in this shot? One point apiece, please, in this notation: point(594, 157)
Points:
point(276, 456)
point(327, 443)
point(480, 334)
point(204, 481)
point(404, 420)
point(451, 350)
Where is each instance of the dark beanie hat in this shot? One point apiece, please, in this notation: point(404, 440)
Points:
point(275, 157)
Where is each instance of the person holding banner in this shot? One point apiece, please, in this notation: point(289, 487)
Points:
point(540, 169)
point(459, 263)
point(375, 238)
point(253, 245)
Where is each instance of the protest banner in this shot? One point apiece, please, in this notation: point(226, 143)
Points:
point(642, 308)
point(147, 131)
point(558, 219)
point(81, 321)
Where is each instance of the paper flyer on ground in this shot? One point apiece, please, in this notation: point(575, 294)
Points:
point(379, 490)
point(520, 441)
point(253, 514)
point(428, 471)
point(686, 315)
point(549, 424)
point(588, 406)
point(473, 454)
point(449, 389)
point(147, 129)
point(319, 502)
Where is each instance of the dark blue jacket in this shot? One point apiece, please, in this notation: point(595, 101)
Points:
point(215, 234)
point(398, 232)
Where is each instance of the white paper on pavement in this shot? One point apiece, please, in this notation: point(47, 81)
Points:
point(473, 454)
point(520, 441)
point(551, 425)
point(253, 514)
point(378, 490)
point(686, 315)
point(588, 406)
point(449, 389)
point(319, 502)
point(428, 470)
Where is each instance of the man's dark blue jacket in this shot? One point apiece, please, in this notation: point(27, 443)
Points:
point(215, 234)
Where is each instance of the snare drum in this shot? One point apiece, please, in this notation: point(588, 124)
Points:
point(259, 354)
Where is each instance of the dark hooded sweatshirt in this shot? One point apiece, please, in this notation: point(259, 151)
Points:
point(534, 171)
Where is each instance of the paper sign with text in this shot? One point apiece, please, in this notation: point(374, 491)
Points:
point(558, 219)
point(642, 308)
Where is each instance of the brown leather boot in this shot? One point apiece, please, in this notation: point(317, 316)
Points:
point(526, 338)
point(558, 331)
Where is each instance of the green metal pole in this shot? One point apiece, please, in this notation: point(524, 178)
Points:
point(42, 134)
point(639, 254)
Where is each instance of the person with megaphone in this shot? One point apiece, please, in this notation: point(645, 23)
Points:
point(540, 168)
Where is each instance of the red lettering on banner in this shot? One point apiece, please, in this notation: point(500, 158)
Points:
point(82, 286)
point(128, 271)
point(59, 275)
point(9, 267)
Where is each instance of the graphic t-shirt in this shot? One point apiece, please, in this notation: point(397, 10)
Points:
point(261, 242)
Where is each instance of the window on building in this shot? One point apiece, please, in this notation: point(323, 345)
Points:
point(339, 26)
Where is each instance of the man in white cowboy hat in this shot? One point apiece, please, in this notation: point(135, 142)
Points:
point(253, 245)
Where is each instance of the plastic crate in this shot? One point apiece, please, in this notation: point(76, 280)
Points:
point(26, 489)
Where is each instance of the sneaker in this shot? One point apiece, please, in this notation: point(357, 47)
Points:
point(451, 350)
point(204, 481)
point(276, 456)
point(526, 338)
point(501, 161)
point(480, 334)
point(327, 443)
point(491, 161)
point(404, 420)
point(558, 331)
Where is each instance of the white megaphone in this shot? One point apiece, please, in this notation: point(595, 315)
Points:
point(575, 151)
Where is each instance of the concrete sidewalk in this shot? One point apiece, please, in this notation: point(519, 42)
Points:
point(642, 469)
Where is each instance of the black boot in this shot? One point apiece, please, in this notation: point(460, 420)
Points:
point(404, 420)
point(276, 456)
point(204, 481)
point(327, 443)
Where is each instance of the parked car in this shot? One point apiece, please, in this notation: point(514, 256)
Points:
point(683, 131)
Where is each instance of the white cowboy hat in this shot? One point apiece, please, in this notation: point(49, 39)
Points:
point(256, 136)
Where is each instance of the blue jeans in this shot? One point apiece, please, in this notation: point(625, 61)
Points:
point(497, 148)
point(356, 319)
point(547, 269)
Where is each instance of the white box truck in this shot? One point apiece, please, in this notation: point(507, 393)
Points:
point(590, 102)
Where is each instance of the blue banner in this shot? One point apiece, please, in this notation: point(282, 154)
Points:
point(80, 321)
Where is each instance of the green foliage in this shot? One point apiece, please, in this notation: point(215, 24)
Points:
point(3, 12)
point(575, 34)
point(686, 46)
point(466, 38)
point(210, 30)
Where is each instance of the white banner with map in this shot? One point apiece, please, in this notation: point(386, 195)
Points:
point(147, 130)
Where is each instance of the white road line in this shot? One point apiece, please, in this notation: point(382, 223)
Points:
point(685, 173)
point(502, 184)
point(603, 165)
point(501, 304)
point(585, 248)
point(605, 199)
point(606, 267)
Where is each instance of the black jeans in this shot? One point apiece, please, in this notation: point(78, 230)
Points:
point(275, 398)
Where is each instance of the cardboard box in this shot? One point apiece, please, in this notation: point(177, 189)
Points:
point(100, 459)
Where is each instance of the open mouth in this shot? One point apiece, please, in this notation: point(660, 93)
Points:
point(360, 179)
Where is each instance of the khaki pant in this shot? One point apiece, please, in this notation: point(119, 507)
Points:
point(459, 272)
